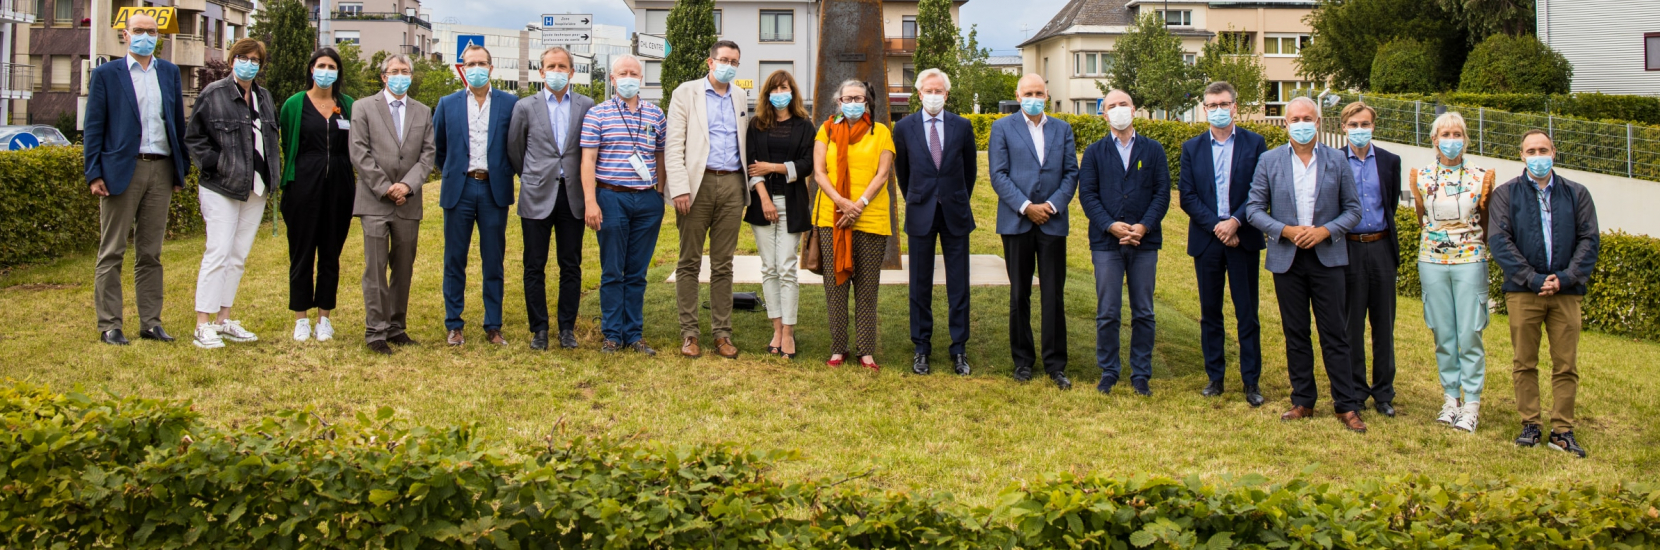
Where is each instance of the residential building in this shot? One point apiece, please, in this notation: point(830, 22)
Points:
point(511, 50)
point(899, 30)
point(17, 80)
point(392, 26)
point(774, 35)
point(1074, 50)
point(1614, 45)
point(1008, 64)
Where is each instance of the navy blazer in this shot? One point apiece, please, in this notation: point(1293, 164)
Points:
point(925, 186)
point(1389, 178)
point(449, 129)
point(1109, 194)
point(1017, 176)
point(1197, 185)
point(111, 136)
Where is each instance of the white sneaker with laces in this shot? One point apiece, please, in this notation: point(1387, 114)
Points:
point(325, 330)
point(233, 331)
point(1449, 412)
point(1467, 416)
point(302, 330)
point(207, 337)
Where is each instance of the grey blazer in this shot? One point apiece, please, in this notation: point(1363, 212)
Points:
point(1017, 176)
point(382, 161)
point(1273, 205)
point(532, 152)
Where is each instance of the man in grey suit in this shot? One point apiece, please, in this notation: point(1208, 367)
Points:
point(392, 149)
point(1303, 199)
point(1034, 170)
point(542, 147)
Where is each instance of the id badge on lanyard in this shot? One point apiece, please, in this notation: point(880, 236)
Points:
point(634, 159)
point(640, 168)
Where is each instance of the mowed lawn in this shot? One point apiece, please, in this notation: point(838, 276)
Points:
point(970, 436)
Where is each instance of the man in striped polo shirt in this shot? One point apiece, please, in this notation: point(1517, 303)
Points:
point(622, 152)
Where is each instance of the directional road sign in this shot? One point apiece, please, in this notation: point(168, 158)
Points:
point(566, 29)
point(563, 37)
point(462, 40)
point(651, 47)
point(568, 21)
point(23, 141)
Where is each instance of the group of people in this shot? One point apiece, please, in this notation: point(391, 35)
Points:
point(1324, 215)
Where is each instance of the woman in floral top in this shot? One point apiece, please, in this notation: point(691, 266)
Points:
point(1451, 199)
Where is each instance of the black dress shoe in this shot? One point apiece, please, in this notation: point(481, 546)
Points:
point(1141, 387)
point(959, 363)
point(1106, 384)
point(1061, 381)
point(1253, 396)
point(539, 340)
point(919, 365)
point(567, 339)
point(113, 337)
point(380, 346)
point(1023, 374)
point(155, 333)
point(1213, 389)
point(1385, 408)
point(402, 339)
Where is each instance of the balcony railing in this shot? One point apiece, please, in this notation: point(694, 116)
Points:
point(244, 5)
point(16, 81)
point(17, 11)
point(413, 51)
point(900, 45)
point(375, 16)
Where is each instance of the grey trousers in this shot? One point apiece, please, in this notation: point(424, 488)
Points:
point(389, 242)
point(717, 214)
point(140, 211)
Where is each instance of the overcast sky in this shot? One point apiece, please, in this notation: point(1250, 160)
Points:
point(1000, 21)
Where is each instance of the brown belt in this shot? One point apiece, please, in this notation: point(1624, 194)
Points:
point(720, 172)
point(1368, 237)
point(481, 175)
point(147, 156)
point(620, 189)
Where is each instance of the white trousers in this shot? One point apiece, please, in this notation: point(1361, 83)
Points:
point(778, 247)
point(231, 226)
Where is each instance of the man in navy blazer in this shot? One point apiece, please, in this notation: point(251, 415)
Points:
point(1034, 169)
point(1214, 182)
point(135, 160)
point(470, 131)
point(1124, 187)
point(936, 158)
point(1374, 254)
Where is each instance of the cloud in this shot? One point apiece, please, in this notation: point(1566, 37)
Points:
point(514, 14)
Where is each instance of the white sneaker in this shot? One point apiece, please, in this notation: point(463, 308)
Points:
point(325, 330)
point(207, 337)
point(302, 330)
point(1467, 417)
point(233, 331)
point(1449, 412)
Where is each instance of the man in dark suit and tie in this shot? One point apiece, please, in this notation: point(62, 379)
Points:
point(1124, 187)
point(135, 160)
point(1034, 169)
point(937, 162)
point(1303, 199)
point(1374, 253)
point(1215, 179)
point(470, 134)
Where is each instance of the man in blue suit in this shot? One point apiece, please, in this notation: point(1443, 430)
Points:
point(135, 160)
point(1034, 169)
point(1303, 199)
point(1215, 179)
point(936, 158)
point(470, 134)
point(1124, 187)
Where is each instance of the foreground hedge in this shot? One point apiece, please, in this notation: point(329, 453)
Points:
point(78, 471)
point(1171, 134)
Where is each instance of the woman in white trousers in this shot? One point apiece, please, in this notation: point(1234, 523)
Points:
point(780, 144)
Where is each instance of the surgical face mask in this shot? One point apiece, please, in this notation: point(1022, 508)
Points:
point(1359, 137)
point(1120, 117)
point(556, 80)
point(1220, 118)
point(780, 100)
point(933, 103)
point(245, 69)
point(324, 77)
point(398, 83)
point(627, 88)
point(724, 73)
point(1301, 132)
point(1539, 167)
point(853, 110)
point(142, 44)
point(1033, 105)
point(478, 77)
point(1451, 148)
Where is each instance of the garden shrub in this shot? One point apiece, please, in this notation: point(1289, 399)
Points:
point(49, 211)
point(1504, 64)
point(1404, 66)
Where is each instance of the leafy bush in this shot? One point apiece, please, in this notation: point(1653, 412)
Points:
point(1088, 129)
point(48, 210)
point(1515, 64)
point(1403, 66)
point(85, 472)
point(1589, 106)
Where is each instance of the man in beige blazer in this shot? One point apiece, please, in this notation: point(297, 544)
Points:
point(392, 149)
point(706, 181)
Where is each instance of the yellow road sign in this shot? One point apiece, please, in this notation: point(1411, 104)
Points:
point(167, 19)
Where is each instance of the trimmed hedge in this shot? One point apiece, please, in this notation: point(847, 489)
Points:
point(1088, 129)
point(135, 473)
point(1640, 109)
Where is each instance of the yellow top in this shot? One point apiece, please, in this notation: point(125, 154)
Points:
point(866, 155)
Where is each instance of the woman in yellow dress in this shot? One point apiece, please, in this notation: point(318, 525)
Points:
point(852, 157)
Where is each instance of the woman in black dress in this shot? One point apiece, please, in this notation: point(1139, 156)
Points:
point(318, 187)
point(780, 144)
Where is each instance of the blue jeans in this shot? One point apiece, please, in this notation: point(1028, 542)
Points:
point(627, 238)
point(476, 207)
point(1112, 267)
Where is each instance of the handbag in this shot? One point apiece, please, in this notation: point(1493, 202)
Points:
point(810, 259)
point(747, 301)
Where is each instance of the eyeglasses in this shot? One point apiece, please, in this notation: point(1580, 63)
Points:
point(250, 59)
point(724, 61)
point(1221, 105)
point(396, 72)
point(853, 99)
point(142, 32)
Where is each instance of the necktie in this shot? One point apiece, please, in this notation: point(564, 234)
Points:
point(934, 147)
point(397, 117)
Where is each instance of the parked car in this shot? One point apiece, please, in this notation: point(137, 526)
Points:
point(46, 135)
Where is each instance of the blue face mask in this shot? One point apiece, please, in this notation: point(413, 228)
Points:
point(627, 88)
point(245, 70)
point(1033, 105)
point(1539, 166)
point(724, 73)
point(1451, 148)
point(1301, 132)
point(1220, 118)
point(1359, 137)
point(142, 44)
point(853, 110)
point(556, 80)
point(398, 83)
point(780, 100)
point(324, 77)
point(478, 77)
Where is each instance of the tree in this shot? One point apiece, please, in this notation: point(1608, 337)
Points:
point(213, 70)
point(937, 47)
point(1484, 18)
point(1505, 64)
point(976, 80)
point(353, 81)
point(596, 90)
point(691, 33)
point(1230, 59)
point(1404, 66)
point(432, 80)
point(289, 39)
point(368, 79)
point(1147, 64)
point(1347, 34)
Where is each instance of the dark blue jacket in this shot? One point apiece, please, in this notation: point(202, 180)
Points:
point(449, 128)
point(1109, 194)
point(1518, 236)
point(1197, 186)
point(110, 140)
point(926, 187)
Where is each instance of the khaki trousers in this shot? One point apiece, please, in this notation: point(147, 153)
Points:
point(1561, 319)
point(716, 214)
point(389, 243)
point(141, 212)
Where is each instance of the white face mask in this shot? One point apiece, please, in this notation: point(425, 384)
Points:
point(933, 103)
point(1120, 117)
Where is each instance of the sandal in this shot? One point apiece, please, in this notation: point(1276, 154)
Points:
point(774, 350)
point(835, 361)
point(869, 362)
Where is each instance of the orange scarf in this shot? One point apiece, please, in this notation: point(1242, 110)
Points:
point(843, 134)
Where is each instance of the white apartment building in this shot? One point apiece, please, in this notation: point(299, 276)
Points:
point(774, 35)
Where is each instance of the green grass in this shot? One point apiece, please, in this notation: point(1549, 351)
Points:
point(969, 436)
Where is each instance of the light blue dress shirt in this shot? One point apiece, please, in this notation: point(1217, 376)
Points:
point(559, 116)
point(1124, 149)
point(1221, 155)
point(1545, 215)
point(723, 129)
point(1371, 191)
point(152, 130)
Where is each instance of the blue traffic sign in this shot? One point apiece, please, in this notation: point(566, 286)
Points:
point(462, 40)
point(23, 141)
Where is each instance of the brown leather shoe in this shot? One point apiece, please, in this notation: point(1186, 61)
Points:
point(455, 338)
point(724, 347)
point(494, 336)
point(689, 347)
point(1297, 413)
point(1351, 420)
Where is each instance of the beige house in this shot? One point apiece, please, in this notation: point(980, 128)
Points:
point(1074, 50)
point(899, 33)
point(392, 26)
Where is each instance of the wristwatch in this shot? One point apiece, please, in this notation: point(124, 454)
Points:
point(864, 201)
